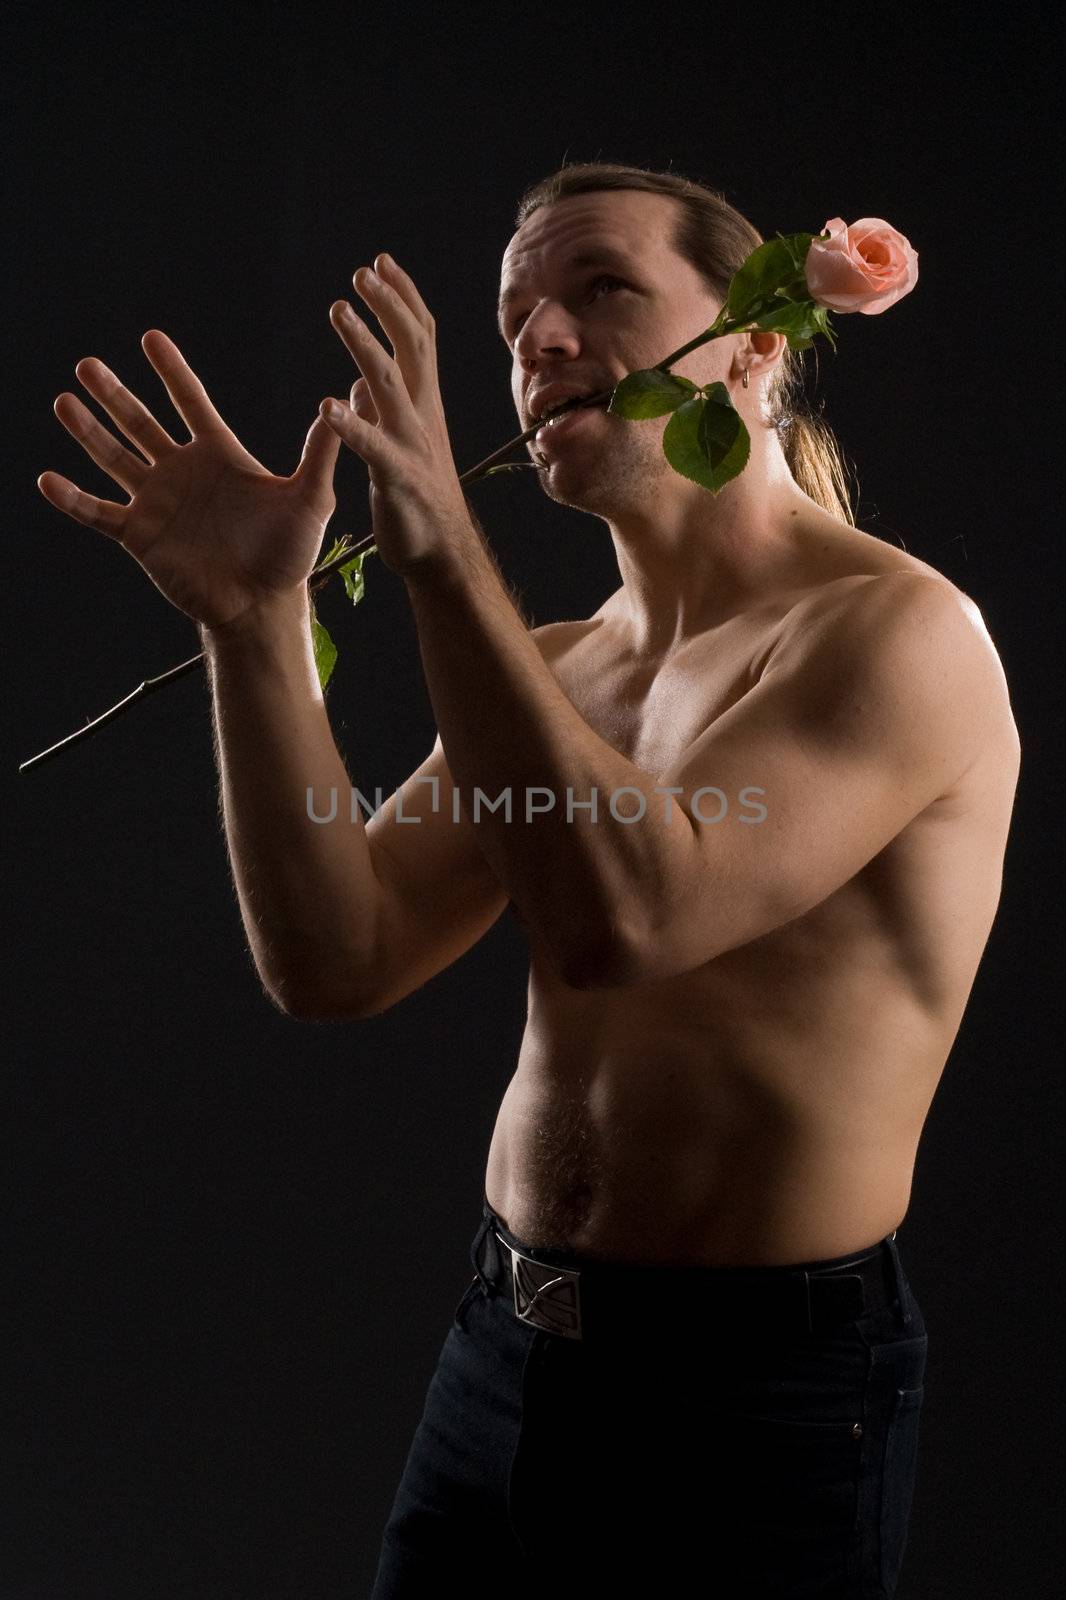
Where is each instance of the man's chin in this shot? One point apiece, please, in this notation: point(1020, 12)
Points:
point(578, 490)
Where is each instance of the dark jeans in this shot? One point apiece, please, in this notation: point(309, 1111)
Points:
point(693, 1451)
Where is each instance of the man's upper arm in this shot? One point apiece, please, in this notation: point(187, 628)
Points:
point(439, 895)
point(846, 738)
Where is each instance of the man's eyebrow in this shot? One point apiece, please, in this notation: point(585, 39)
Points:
point(604, 256)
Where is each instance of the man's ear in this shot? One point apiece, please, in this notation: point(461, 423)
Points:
point(764, 350)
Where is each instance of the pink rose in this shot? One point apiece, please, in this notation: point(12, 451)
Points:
point(866, 267)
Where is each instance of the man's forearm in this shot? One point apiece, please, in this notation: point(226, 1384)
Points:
point(307, 890)
point(587, 887)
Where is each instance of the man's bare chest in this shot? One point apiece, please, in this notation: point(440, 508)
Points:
point(651, 711)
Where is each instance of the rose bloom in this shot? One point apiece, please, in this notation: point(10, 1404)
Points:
point(866, 267)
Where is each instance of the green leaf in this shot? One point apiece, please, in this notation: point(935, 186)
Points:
point(767, 267)
point(821, 317)
point(352, 573)
point(800, 323)
point(797, 245)
point(797, 320)
point(774, 271)
point(706, 440)
point(724, 439)
point(325, 649)
point(338, 546)
point(650, 393)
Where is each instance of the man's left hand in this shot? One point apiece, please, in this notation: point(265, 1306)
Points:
point(396, 424)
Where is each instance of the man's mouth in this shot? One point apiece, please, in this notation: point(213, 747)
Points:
point(568, 404)
point(560, 425)
point(559, 414)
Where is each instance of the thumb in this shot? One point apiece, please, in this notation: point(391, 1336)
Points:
point(319, 457)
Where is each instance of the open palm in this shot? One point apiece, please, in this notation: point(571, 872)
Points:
point(213, 529)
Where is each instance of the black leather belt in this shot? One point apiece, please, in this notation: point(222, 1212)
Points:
point(575, 1302)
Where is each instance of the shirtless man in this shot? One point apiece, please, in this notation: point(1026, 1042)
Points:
point(749, 1084)
point(759, 1098)
point(735, 1027)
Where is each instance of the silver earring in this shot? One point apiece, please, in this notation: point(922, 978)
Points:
point(744, 379)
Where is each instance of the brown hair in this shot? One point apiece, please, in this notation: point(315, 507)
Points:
point(716, 239)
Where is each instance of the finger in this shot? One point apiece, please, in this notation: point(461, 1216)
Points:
point(190, 398)
point(124, 409)
point(319, 458)
point(394, 277)
point(371, 444)
point(362, 402)
point(127, 469)
point(411, 330)
point(384, 381)
point(106, 516)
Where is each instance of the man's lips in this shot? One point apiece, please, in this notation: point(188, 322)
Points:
point(561, 408)
point(564, 413)
point(564, 425)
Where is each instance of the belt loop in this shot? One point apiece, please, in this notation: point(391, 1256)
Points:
point(809, 1329)
point(485, 1230)
point(897, 1275)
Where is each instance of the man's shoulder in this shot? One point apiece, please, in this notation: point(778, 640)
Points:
point(899, 635)
point(553, 639)
point(860, 610)
point(918, 608)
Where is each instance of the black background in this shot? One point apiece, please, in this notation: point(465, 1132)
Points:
point(237, 1238)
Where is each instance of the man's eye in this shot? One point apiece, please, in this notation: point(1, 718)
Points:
point(604, 277)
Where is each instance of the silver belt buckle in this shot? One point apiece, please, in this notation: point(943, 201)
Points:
point(545, 1297)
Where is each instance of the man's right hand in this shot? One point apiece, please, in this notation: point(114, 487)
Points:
point(214, 530)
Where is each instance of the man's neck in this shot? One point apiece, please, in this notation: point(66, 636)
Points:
point(681, 578)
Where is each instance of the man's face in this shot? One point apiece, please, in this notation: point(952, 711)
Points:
point(589, 324)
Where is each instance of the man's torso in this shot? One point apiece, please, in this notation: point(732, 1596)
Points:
point(767, 1107)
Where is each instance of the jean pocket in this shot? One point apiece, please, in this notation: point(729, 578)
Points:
point(793, 1473)
point(897, 1483)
